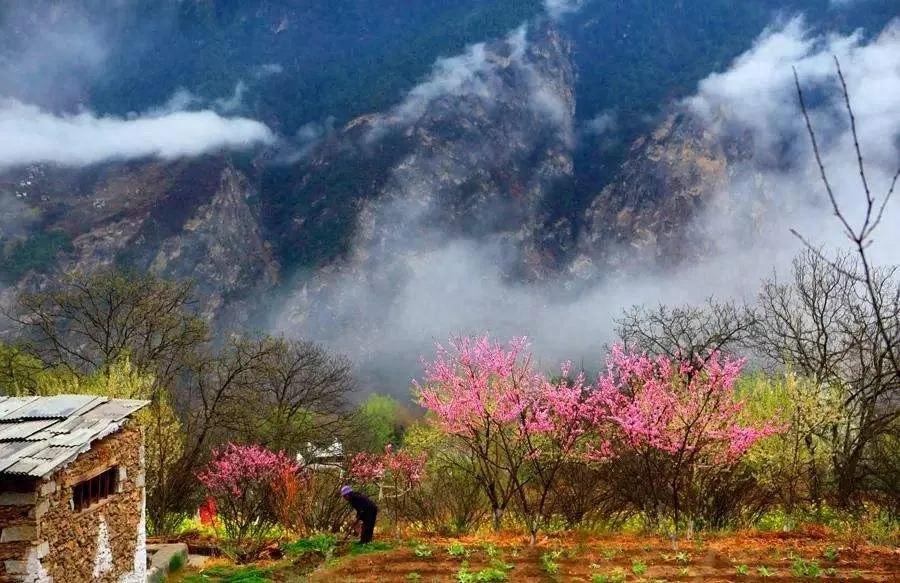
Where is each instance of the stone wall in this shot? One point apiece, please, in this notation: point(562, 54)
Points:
point(104, 542)
point(18, 527)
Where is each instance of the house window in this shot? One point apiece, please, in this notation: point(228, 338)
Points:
point(89, 492)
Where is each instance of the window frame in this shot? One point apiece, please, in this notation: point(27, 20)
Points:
point(91, 492)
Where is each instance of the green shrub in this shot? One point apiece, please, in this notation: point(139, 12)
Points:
point(639, 568)
point(176, 562)
point(322, 544)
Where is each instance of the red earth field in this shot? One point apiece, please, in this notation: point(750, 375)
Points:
point(579, 558)
point(606, 559)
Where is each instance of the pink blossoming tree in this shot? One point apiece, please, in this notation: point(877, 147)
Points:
point(242, 481)
point(515, 428)
point(478, 392)
point(676, 428)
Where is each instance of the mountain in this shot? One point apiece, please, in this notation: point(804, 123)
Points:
point(421, 150)
point(189, 219)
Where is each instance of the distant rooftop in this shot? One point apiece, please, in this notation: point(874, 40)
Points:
point(39, 435)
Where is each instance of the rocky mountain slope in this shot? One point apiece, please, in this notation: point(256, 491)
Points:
point(480, 153)
point(191, 219)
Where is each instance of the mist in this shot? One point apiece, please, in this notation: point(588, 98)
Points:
point(50, 55)
point(420, 285)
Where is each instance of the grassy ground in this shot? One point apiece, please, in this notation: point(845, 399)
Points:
point(573, 557)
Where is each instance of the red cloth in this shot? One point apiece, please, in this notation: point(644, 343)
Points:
point(208, 512)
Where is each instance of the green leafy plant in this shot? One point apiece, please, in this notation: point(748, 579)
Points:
point(489, 575)
point(548, 562)
point(491, 550)
point(464, 575)
point(414, 576)
point(742, 570)
point(422, 550)
point(684, 572)
point(764, 571)
point(609, 554)
point(616, 576)
point(682, 558)
point(802, 568)
point(321, 544)
point(639, 568)
point(830, 554)
point(457, 549)
point(831, 572)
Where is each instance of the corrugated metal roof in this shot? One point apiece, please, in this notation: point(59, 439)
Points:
point(39, 435)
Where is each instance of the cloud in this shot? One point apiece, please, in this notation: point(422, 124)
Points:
point(50, 51)
point(269, 69)
point(33, 135)
point(603, 123)
point(478, 76)
point(234, 102)
point(305, 141)
point(560, 8)
point(465, 74)
point(756, 99)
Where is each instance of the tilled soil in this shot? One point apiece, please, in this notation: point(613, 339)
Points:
point(744, 557)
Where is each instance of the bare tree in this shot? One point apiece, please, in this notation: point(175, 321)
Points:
point(821, 324)
point(839, 321)
point(693, 332)
point(860, 236)
point(296, 392)
point(88, 322)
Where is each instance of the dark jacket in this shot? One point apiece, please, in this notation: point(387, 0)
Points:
point(363, 506)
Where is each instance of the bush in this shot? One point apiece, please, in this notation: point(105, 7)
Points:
point(308, 503)
point(242, 480)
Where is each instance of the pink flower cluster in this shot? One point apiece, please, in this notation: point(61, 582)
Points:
point(676, 406)
point(474, 379)
point(639, 402)
point(235, 468)
point(403, 469)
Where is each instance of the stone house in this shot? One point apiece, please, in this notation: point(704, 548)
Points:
point(71, 490)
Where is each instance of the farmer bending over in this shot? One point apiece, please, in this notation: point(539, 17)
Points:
point(366, 512)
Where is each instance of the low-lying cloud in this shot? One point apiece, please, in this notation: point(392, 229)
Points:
point(33, 135)
point(757, 98)
point(559, 8)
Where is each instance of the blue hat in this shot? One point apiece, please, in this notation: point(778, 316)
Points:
point(345, 490)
